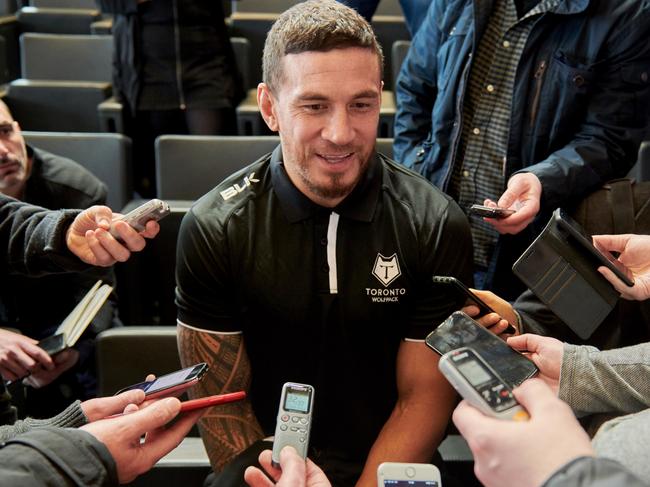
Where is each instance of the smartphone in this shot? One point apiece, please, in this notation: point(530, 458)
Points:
point(604, 257)
point(466, 296)
point(459, 330)
point(490, 212)
point(294, 420)
point(154, 209)
point(392, 474)
point(169, 384)
point(209, 401)
point(480, 385)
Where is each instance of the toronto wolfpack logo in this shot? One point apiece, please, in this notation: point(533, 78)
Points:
point(386, 269)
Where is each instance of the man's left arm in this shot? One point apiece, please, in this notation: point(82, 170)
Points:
point(419, 419)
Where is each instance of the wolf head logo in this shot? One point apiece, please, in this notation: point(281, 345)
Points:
point(386, 269)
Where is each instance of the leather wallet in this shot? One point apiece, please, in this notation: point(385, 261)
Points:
point(561, 270)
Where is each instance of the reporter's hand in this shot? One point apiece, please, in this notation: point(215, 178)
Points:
point(496, 322)
point(635, 256)
point(121, 435)
point(62, 361)
point(89, 239)
point(20, 356)
point(523, 453)
point(545, 352)
point(294, 472)
point(523, 194)
point(103, 407)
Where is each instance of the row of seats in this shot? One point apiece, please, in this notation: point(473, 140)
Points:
point(66, 86)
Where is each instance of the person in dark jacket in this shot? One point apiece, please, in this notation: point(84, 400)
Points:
point(40, 178)
point(175, 72)
point(528, 104)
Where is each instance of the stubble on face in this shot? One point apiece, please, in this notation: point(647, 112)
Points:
point(329, 98)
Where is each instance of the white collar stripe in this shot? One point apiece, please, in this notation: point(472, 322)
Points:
point(331, 252)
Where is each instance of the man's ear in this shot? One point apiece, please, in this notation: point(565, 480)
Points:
point(266, 102)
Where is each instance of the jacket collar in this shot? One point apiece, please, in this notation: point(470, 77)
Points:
point(567, 7)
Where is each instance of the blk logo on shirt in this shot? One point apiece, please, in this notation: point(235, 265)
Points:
point(386, 269)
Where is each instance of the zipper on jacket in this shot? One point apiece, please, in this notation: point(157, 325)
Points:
point(539, 76)
point(459, 128)
point(179, 67)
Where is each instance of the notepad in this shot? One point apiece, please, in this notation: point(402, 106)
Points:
point(77, 321)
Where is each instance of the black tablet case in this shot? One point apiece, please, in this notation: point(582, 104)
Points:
point(564, 276)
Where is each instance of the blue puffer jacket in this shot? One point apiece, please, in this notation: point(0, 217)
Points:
point(581, 102)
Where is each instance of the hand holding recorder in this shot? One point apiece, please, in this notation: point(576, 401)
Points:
point(524, 453)
point(89, 239)
point(294, 471)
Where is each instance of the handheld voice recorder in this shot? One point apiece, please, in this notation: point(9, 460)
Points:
point(480, 385)
point(154, 209)
point(294, 420)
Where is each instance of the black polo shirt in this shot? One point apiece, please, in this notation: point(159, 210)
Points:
point(322, 296)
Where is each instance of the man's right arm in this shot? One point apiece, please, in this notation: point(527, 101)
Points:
point(230, 428)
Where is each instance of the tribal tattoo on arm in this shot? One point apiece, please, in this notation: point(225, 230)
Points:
point(230, 428)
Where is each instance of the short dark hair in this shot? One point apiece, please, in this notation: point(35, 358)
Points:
point(315, 25)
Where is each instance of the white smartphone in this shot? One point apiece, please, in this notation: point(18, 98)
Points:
point(480, 385)
point(294, 420)
point(392, 474)
point(154, 209)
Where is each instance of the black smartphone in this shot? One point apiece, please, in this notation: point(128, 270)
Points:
point(604, 257)
point(166, 385)
point(459, 330)
point(466, 296)
point(490, 212)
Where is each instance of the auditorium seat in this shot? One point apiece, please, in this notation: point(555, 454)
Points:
point(641, 170)
point(189, 166)
point(66, 57)
point(146, 282)
point(65, 78)
point(75, 4)
point(9, 49)
point(57, 20)
point(107, 156)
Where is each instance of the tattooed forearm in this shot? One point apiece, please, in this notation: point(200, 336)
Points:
point(230, 428)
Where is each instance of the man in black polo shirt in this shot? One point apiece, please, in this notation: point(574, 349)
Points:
point(314, 265)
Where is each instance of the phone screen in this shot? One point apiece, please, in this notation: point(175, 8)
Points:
point(170, 380)
point(459, 330)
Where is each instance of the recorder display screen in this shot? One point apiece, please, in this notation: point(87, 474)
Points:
point(473, 372)
point(297, 400)
point(410, 483)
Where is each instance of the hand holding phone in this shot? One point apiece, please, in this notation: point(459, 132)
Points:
point(154, 209)
point(491, 212)
point(466, 296)
point(393, 474)
point(459, 330)
point(294, 420)
point(480, 385)
point(170, 384)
